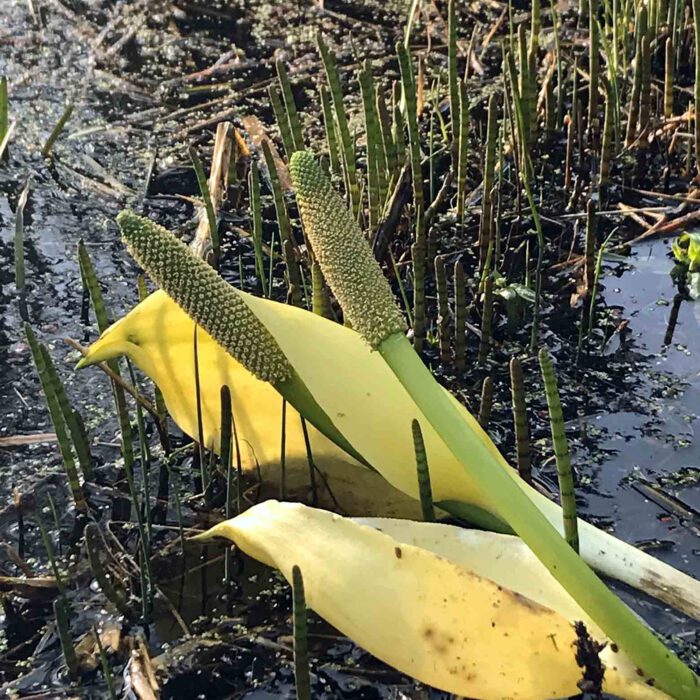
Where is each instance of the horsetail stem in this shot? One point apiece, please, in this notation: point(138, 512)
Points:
point(640, 29)
point(329, 126)
point(56, 131)
point(523, 88)
point(645, 95)
point(62, 614)
point(389, 147)
point(463, 149)
point(398, 124)
point(341, 120)
point(290, 107)
point(97, 552)
point(409, 91)
point(593, 65)
point(302, 677)
point(443, 319)
point(532, 67)
point(486, 319)
point(668, 78)
point(375, 164)
point(589, 254)
point(256, 220)
point(425, 490)
point(56, 412)
point(460, 290)
point(561, 450)
point(522, 432)
point(18, 244)
point(282, 120)
point(453, 82)
point(486, 224)
point(486, 402)
point(418, 252)
point(4, 109)
point(608, 134)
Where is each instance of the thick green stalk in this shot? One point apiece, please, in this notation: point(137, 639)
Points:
point(425, 490)
point(409, 91)
point(351, 269)
point(443, 319)
point(460, 289)
point(522, 432)
point(341, 120)
point(561, 450)
point(4, 108)
point(589, 250)
point(62, 613)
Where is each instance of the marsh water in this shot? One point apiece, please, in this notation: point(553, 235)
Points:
point(635, 438)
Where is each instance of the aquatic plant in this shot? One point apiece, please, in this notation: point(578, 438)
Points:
point(486, 620)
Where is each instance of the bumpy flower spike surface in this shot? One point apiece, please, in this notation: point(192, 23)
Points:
point(363, 293)
point(197, 287)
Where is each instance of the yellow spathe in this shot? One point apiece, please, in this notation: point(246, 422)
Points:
point(367, 404)
point(158, 336)
point(449, 607)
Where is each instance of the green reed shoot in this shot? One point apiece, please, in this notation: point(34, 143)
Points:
point(487, 220)
point(389, 147)
point(561, 450)
point(463, 152)
point(290, 107)
point(62, 614)
point(56, 132)
point(486, 403)
point(425, 490)
point(341, 121)
point(522, 431)
point(92, 284)
point(418, 254)
point(486, 319)
point(453, 81)
point(256, 231)
point(282, 120)
point(58, 418)
point(20, 277)
point(409, 91)
point(640, 29)
point(302, 676)
point(106, 670)
point(375, 160)
point(443, 319)
point(97, 553)
point(460, 292)
point(4, 109)
point(329, 126)
point(668, 79)
point(593, 64)
point(208, 205)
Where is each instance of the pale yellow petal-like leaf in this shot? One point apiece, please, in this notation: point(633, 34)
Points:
point(429, 616)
